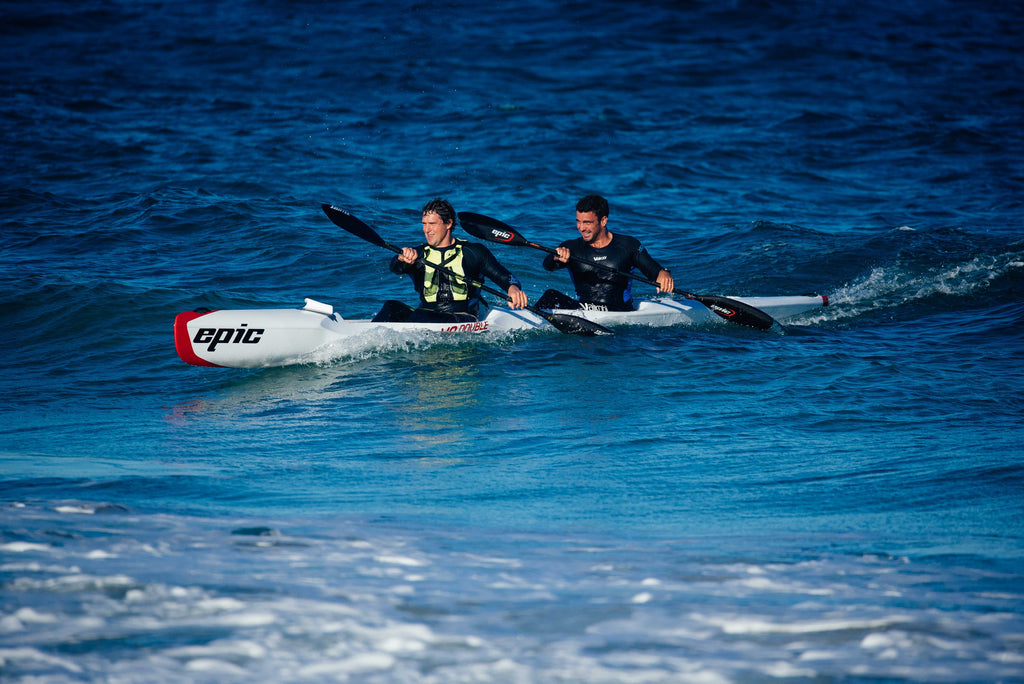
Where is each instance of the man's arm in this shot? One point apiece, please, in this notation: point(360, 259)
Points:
point(405, 262)
point(653, 270)
point(489, 267)
point(553, 262)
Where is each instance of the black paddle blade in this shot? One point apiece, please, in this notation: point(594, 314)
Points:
point(736, 311)
point(347, 221)
point(490, 229)
point(574, 325)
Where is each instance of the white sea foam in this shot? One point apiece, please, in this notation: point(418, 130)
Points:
point(33, 566)
point(220, 604)
point(32, 656)
point(337, 606)
point(250, 618)
point(24, 547)
point(400, 560)
point(221, 650)
point(359, 664)
point(784, 670)
point(29, 615)
point(24, 618)
point(1008, 657)
point(747, 625)
point(73, 510)
point(895, 285)
point(214, 666)
point(383, 341)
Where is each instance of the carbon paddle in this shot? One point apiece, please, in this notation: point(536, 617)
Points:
point(570, 325)
point(493, 230)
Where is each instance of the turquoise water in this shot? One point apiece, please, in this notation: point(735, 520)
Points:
point(838, 501)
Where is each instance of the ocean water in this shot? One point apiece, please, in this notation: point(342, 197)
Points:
point(839, 501)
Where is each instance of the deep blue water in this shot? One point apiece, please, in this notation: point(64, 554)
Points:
point(842, 501)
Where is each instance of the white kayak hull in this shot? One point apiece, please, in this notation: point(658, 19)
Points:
point(260, 338)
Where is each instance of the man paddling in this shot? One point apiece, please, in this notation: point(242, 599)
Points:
point(444, 298)
point(598, 288)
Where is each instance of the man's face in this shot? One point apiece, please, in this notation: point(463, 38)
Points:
point(435, 230)
point(589, 225)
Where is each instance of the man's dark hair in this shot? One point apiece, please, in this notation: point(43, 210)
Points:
point(594, 203)
point(442, 208)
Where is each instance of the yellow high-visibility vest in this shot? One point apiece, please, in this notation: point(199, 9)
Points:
point(450, 258)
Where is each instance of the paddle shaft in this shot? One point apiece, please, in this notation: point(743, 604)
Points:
point(606, 267)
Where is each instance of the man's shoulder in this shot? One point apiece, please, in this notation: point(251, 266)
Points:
point(478, 256)
point(627, 241)
point(472, 247)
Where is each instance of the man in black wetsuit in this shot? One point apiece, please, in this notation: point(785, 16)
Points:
point(597, 288)
point(443, 298)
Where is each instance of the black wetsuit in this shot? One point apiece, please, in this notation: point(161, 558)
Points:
point(597, 287)
point(442, 297)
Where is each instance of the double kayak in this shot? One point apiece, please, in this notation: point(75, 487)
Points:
point(261, 338)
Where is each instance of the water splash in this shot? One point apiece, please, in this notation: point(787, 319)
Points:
point(895, 285)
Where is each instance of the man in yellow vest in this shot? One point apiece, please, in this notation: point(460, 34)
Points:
point(444, 298)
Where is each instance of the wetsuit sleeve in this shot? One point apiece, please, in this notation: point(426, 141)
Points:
point(489, 267)
point(401, 268)
point(646, 263)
